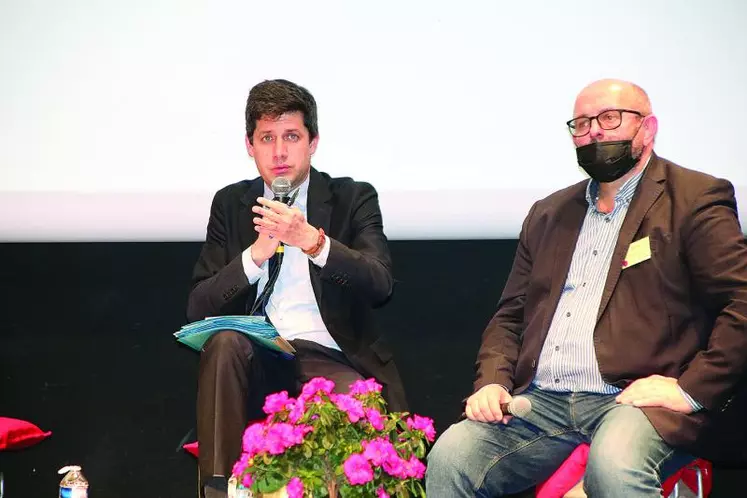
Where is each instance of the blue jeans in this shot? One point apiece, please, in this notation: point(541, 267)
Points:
point(627, 456)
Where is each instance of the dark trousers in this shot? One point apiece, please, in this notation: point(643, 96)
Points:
point(234, 378)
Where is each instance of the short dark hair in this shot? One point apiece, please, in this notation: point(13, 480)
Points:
point(273, 98)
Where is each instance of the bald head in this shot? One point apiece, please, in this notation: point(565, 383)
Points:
point(612, 93)
point(630, 117)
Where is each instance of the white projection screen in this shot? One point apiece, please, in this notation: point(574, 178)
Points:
point(120, 119)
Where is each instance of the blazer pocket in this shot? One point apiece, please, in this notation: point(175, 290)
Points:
point(381, 349)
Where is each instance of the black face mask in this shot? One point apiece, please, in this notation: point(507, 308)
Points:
point(607, 161)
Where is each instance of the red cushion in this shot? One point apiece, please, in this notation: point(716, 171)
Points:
point(192, 448)
point(16, 434)
point(568, 474)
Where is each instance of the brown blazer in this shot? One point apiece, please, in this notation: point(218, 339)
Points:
point(356, 278)
point(682, 313)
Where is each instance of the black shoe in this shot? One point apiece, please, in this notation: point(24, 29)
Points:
point(216, 487)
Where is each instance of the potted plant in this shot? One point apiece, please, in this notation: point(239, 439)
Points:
point(323, 444)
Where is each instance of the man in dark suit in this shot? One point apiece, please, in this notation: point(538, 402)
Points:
point(336, 268)
point(624, 321)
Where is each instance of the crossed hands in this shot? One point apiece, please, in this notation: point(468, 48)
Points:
point(276, 223)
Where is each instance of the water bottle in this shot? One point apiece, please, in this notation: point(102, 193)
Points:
point(236, 490)
point(73, 485)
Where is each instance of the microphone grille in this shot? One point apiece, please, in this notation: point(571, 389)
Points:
point(281, 186)
point(521, 406)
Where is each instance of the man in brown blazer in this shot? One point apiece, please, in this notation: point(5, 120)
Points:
point(336, 268)
point(623, 321)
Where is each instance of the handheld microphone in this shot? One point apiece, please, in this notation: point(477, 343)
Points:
point(281, 187)
point(519, 406)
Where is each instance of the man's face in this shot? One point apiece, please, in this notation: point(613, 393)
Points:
point(281, 147)
point(596, 100)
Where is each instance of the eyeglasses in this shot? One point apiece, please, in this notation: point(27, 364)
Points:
point(607, 120)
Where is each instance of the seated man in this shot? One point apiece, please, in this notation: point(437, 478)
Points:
point(336, 268)
point(624, 321)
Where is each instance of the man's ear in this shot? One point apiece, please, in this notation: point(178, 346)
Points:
point(650, 128)
point(249, 146)
point(313, 144)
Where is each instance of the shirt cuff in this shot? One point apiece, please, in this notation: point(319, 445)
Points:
point(321, 259)
point(252, 271)
point(694, 404)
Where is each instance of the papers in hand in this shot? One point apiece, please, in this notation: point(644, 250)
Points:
point(255, 328)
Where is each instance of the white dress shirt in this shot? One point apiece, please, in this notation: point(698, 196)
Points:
point(292, 306)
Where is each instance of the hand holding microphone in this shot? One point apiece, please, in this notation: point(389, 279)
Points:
point(492, 403)
point(266, 244)
point(279, 221)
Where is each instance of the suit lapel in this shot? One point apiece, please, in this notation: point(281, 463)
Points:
point(247, 233)
point(649, 190)
point(318, 214)
point(567, 229)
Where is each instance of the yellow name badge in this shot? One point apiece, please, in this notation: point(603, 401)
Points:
point(639, 251)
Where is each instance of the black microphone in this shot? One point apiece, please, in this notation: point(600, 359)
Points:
point(281, 188)
point(519, 406)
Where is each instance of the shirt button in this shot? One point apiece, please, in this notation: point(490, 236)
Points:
point(557, 381)
point(606, 220)
point(595, 252)
point(557, 348)
point(583, 285)
point(568, 313)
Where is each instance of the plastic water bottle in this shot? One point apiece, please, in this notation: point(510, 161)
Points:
point(236, 490)
point(73, 485)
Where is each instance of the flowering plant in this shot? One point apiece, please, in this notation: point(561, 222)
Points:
point(326, 444)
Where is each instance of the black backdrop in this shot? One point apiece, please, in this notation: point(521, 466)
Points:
point(86, 352)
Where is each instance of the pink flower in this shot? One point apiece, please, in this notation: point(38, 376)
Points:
point(276, 402)
point(357, 469)
point(395, 466)
point(282, 436)
point(253, 440)
point(315, 385)
point(295, 488)
point(350, 405)
point(414, 468)
point(378, 451)
point(376, 418)
point(363, 387)
point(297, 409)
point(423, 424)
point(380, 493)
point(247, 480)
point(241, 465)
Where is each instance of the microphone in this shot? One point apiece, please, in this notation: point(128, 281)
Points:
point(281, 187)
point(519, 406)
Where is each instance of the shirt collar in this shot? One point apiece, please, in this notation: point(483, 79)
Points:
point(301, 197)
point(624, 195)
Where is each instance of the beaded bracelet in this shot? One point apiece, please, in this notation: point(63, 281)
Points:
point(314, 251)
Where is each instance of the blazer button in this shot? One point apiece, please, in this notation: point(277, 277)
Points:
point(534, 363)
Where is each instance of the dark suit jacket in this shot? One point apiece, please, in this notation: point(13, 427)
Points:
point(356, 277)
point(682, 313)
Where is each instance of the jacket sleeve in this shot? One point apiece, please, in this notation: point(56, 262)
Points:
point(365, 264)
point(219, 284)
point(501, 340)
point(716, 255)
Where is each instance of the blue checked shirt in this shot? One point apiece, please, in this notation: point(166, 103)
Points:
point(568, 362)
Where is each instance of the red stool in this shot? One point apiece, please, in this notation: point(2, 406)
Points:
point(697, 475)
